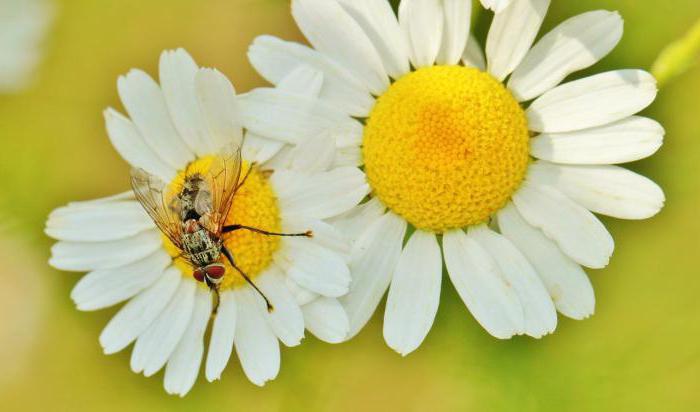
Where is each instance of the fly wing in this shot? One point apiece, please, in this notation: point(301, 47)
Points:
point(152, 193)
point(223, 179)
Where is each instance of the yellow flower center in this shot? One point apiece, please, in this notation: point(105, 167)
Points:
point(445, 147)
point(254, 205)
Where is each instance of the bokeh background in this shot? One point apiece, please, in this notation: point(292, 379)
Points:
point(640, 352)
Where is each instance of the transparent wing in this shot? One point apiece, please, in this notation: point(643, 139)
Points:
point(152, 193)
point(223, 177)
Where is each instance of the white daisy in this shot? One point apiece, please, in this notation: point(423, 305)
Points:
point(182, 122)
point(448, 138)
point(23, 24)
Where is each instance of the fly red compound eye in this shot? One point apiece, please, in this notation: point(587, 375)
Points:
point(215, 271)
point(198, 275)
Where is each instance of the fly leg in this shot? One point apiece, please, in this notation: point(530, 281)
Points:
point(232, 228)
point(247, 173)
point(229, 256)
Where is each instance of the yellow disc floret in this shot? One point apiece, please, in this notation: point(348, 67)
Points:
point(445, 147)
point(254, 205)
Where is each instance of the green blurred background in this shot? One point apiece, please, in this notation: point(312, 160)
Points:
point(639, 352)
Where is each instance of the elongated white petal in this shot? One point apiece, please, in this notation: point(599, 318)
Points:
point(455, 34)
point(474, 55)
point(574, 45)
point(315, 267)
point(496, 5)
point(293, 118)
point(183, 366)
point(320, 195)
point(131, 146)
point(578, 233)
point(98, 222)
point(422, 22)
point(356, 221)
point(301, 294)
point(304, 79)
point(86, 256)
point(608, 190)
point(592, 101)
point(157, 343)
point(177, 79)
point(379, 23)
point(315, 154)
point(538, 309)
point(275, 59)
point(414, 294)
point(222, 335)
point(481, 285)
point(138, 314)
point(512, 33)
point(628, 140)
point(565, 281)
point(373, 261)
point(286, 320)
point(256, 344)
point(334, 33)
point(144, 102)
point(106, 287)
point(260, 149)
point(324, 234)
point(326, 319)
point(217, 100)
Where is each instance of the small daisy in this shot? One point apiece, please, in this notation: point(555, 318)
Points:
point(177, 125)
point(23, 24)
point(495, 163)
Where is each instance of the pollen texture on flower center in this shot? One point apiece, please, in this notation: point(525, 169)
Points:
point(254, 205)
point(445, 147)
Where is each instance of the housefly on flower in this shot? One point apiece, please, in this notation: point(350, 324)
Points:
point(193, 216)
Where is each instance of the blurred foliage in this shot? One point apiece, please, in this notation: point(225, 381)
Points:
point(639, 352)
point(679, 56)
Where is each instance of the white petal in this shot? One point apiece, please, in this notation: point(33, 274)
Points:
point(538, 308)
point(315, 267)
point(217, 100)
point(628, 140)
point(286, 319)
point(422, 22)
point(275, 59)
point(157, 343)
point(303, 80)
point(222, 335)
point(133, 148)
point(183, 366)
point(496, 5)
point(256, 344)
point(474, 55)
point(326, 319)
point(512, 33)
point(574, 45)
point(144, 102)
point(578, 233)
point(414, 294)
point(106, 287)
point(260, 149)
point(592, 101)
point(138, 314)
point(86, 256)
point(458, 15)
point(320, 195)
point(481, 285)
point(293, 118)
point(565, 281)
point(301, 294)
point(177, 79)
point(379, 23)
point(98, 222)
point(334, 33)
point(315, 154)
point(324, 234)
point(356, 221)
point(608, 190)
point(374, 258)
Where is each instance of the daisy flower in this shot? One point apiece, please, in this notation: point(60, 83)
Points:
point(179, 125)
point(497, 165)
point(23, 24)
